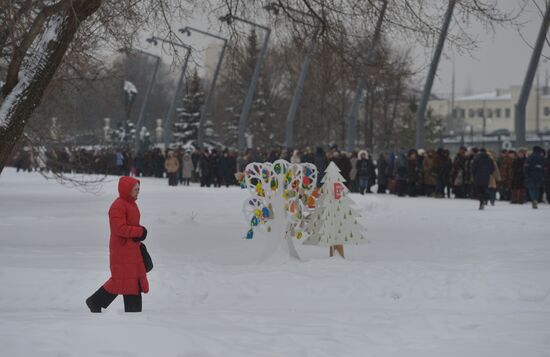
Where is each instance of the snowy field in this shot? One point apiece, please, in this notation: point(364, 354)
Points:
point(438, 278)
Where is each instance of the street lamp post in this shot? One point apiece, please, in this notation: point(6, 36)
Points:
point(141, 116)
point(252, 87)
point(204, 110)
point(167, 130)
point(296, 98)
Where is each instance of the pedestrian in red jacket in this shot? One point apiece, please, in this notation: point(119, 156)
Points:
point(128, 276)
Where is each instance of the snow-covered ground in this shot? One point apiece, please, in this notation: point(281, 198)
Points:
point(439, 278)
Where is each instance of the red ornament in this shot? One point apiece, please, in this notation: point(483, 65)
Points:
point(338, 189)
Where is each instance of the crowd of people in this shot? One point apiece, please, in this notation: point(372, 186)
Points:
point(515, 176)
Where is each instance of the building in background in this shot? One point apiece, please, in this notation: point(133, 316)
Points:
point(480, 117)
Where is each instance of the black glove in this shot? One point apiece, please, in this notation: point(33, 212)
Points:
point(143, 235)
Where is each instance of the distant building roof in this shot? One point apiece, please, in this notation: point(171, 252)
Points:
point(494, 95)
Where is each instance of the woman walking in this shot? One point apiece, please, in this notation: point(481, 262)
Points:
point(128, 276)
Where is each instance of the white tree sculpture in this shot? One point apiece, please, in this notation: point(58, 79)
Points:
point(282, 195)
point(334, 222)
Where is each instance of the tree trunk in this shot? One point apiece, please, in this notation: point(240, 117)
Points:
point(57, 32)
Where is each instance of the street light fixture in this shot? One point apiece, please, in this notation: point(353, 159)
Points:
point(141, 118)
point(297, 96)
point(229, 19)
point(167, 130)
point(204, 110)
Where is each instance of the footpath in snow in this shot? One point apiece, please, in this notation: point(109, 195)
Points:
point(438, 278)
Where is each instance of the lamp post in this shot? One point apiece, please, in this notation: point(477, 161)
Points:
point(167, 130)
point(140, 120)
point(296, 98)
point(421, 111)
point(252, 87)
point(521, 106)
point(204, 110)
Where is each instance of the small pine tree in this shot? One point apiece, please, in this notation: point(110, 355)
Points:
point(334, 221)
point(187, 122)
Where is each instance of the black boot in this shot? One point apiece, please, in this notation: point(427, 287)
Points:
point(92, 306)
point(100, 299)
point(132, 303)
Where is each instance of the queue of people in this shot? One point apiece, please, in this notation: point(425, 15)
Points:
point(515, 176)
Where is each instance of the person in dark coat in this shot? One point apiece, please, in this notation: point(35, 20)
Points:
point(382, 166)
point(440, 170)
point(482, 168)
point(446, 172)
point(412, 173)
point(308, 156)
point(344, 164)
point(158, 163)
point(204, 169)
point(363, 171)
point(458, 172)
point(128, 275)
point(215, 169)
point(401, 170)
point(372, 174)
point(534, 174)
point(195, 158)
point(320, 161)
point(547, 176)
point(226, 171)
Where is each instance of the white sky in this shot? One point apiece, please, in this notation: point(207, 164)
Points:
point(501, 59)
point(499, 62)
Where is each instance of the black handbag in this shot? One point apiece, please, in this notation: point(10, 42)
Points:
point(147, 261)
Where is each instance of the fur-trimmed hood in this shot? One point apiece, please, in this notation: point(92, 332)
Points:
point(361, 153)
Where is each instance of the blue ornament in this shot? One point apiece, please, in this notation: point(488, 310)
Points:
point(250, 234)
point(254, 222)
point(265, 212)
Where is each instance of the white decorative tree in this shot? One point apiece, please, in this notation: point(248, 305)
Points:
point(282, 195)
point(334, 222)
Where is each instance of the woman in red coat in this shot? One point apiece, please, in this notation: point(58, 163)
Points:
point(128, 276)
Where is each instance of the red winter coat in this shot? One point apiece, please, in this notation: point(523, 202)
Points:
point(127, 268)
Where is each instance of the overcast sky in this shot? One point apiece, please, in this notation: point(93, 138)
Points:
point(499, 62)
point(501, 59)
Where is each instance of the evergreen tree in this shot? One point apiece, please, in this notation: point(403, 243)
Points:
point(186, 126)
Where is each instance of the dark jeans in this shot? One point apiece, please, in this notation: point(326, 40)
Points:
point(401, 188)
point(172, 178)
point(534, 191)
point(429, 190)
point(363, 184)
point(205, 181)
point(459, 192)
point(411, 189)
point(103, 298)
point(482, 193)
